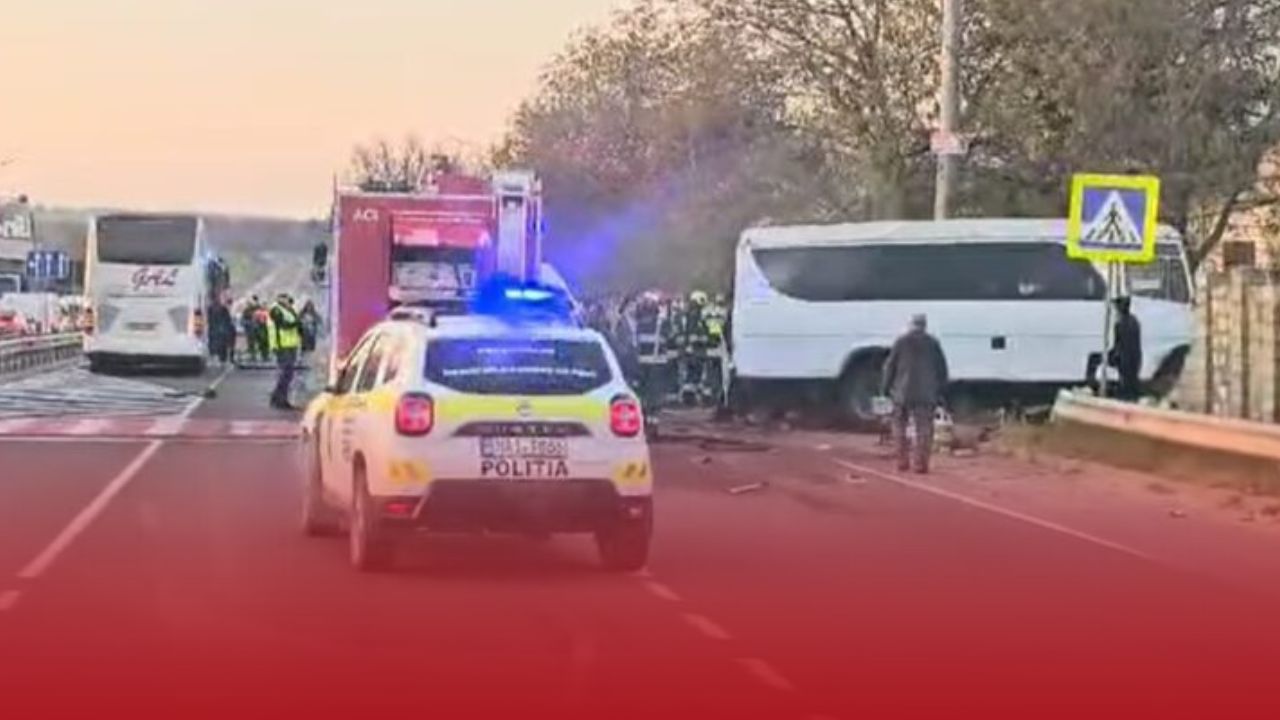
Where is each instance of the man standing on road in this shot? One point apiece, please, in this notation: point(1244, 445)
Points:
point(915, 376)
point(286, 329)
point(1126, 355)
point(222, 331)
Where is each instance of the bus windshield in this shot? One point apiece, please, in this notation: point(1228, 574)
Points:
point(961, 271)
point(147, 241)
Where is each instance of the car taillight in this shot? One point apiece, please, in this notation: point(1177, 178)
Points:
point(415, 414)
point(625, 417)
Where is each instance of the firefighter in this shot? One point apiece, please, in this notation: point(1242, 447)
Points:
point(249, 326)
point(648, 318)
point(285, 337)
point(670, 335)
point(694, 344)
point(715, 316)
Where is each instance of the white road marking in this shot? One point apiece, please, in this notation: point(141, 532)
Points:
point(766, 674)
point(36, 567)
point(69, 439)
point(9, 599)
point(989, 507)
point(662, 591)
point(81, 521)
point(707, 627)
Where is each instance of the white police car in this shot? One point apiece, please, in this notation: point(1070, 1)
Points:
point(500, 421)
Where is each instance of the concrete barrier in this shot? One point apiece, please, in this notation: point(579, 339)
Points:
point(1259, 441)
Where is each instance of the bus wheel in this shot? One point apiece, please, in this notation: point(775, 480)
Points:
point(857, 392)
point(197, 367)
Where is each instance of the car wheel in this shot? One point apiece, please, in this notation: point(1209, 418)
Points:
point(318, 519)
point(370, 550)
point(624, 547)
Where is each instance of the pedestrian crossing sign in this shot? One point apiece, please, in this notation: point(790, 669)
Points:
point(1113, 218)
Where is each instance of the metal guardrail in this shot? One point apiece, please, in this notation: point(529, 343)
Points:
point(29, 353)
point(1206, 432)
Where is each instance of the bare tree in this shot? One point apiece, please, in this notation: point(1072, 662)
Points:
point(384, 167)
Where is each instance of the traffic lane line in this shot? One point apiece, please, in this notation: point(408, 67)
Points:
point(898, 588)
point(245, 397)
point(43, 485)
point(90, 512)
point(766, 674)
point(996, 509)
point(200, 563)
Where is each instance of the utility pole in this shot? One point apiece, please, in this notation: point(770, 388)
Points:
point(949, 100)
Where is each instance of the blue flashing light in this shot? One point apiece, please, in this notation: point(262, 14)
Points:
point(528, 294)
point(510, 299)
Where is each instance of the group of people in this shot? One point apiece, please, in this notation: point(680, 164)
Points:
point(672, 348)
point(278, 332)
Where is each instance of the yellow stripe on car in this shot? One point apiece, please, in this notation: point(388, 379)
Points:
point(408, 472)
point(631, 474)
point(514, 407)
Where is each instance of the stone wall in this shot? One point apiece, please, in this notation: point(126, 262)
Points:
point(1234, 365)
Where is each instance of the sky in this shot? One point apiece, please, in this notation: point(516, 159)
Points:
point(251, 106)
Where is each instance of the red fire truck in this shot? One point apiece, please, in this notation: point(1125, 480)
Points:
point(430, 247)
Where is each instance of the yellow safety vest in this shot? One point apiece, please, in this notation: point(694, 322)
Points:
point(284, 338)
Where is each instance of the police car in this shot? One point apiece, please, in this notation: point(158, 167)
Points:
point(508, 419)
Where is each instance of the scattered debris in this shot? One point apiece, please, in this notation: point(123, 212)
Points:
point(854, 479)
point(1177, 513)
point(1160, 488)
point(751, 487)
point(705, 460)
point(1233, 502)
point(822, 448)
point(1271, 511)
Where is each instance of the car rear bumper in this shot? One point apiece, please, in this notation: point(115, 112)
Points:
point(520, 506)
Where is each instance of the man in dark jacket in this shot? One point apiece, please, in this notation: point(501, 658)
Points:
point(222, 331)
point(1126, 354)
point(915, 378)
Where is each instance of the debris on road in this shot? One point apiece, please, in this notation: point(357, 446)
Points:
point(1177, 513)
point(750, 487)
point(854, 479)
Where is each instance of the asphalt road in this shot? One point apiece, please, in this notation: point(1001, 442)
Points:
point(168, 579)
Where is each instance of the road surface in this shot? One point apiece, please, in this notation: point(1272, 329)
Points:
point(166, 577)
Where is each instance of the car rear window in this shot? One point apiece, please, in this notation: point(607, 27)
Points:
point(517, 367)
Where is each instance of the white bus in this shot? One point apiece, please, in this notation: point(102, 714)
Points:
point(149, 280)
point(816, 308)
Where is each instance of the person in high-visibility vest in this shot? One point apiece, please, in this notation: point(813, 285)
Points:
point(693, 348)
point(715, 316)
point(285, 336)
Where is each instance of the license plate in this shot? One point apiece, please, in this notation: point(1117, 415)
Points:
point(141, 326)
point(518, 447)
point(509, 458)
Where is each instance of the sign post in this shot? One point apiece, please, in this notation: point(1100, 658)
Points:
point(1113, 221)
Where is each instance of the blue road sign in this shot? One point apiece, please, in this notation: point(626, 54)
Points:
point(48, 265)
point(1113, 218)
